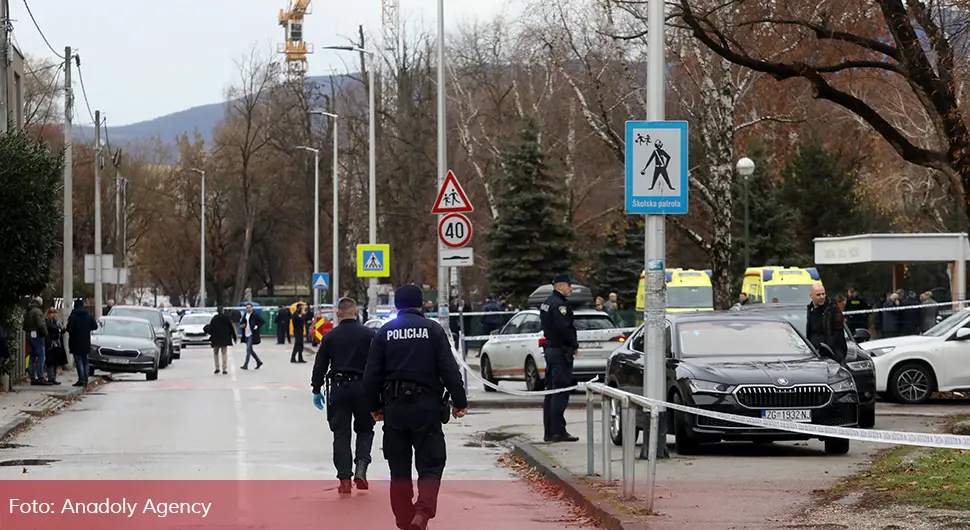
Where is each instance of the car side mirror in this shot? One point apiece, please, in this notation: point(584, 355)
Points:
point(861, 335)
point(962, 334)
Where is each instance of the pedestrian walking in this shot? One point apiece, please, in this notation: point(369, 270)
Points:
point(80, 324)
point(249, 325)
point(299, 327)
point(36, 329)
point(282, 321)
point(339, 366)
point(825, 323)
point(560, 349)
point(55, 354)
point(409, 367)
point(222, 335)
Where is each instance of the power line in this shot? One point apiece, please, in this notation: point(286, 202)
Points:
point(36, 25)
point(84, 92)
point(52, 93)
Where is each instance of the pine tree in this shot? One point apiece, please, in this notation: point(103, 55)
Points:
point(619, 262)
point(530, 241)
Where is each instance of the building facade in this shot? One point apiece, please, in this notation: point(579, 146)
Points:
point(11, 74)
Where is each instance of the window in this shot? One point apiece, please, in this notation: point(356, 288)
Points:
point(530, 324)
point(196, 320)
point(667, 351)
point(152, 316)
point(513, 326)
point(789, 294)
point(593, 322)
point(698, 297)
point(121, 328)
point(638, 341)
point(948, 325)
point(754, 338)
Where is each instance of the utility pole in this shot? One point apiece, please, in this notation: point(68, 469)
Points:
point(443, 285)
point(68, 243)
point(5, 61)
point(98, 265)
point(119, 241)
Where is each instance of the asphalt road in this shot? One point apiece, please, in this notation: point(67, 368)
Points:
point(259, 425)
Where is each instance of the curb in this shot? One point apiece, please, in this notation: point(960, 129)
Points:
point(11, 427)
point(528, 403)
point(574, 489)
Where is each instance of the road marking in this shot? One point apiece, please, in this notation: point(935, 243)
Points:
point(241, 466)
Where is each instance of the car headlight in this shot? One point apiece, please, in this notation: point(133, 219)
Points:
point(147, 351)
point(697, 386)
point(864, 365)
point(881, 351)
point(844, 385)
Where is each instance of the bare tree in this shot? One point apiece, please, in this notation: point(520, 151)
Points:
point(41, 91)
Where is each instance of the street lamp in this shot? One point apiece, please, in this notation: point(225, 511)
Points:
point(316, 220)
point(746, 169)
point(202, 250)
point(372, 181)
point(335, 278)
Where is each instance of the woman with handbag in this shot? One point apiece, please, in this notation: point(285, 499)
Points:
point(56, 353)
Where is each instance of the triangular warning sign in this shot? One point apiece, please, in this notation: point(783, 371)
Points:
point(373, 263)
point(451, 197)
point(321, 283)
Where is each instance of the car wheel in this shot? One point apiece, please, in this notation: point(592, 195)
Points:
point(533, 381)
point(616, 422)
point(152, 376)
point(684, 443)
point(912, 384)
point(487, 373)
point(177, 354)
point(867, 416)
point(836, 446)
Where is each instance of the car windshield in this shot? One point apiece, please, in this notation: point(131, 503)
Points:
point(947, 325)
point(754, 338)
point(196, 320)
point(788, 294)
point(593, 322)
point(797, 319)
point(152, 316)
point(126, 328)
point(697, 297)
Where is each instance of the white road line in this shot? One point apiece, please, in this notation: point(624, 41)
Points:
point(242, 470)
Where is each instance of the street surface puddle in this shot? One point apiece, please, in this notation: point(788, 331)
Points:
point(28, 462)
point(8, 445)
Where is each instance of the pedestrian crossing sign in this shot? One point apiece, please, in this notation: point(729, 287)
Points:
point(373, 261)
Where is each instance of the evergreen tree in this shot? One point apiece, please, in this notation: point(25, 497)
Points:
point(619, 262)
point(530, 241)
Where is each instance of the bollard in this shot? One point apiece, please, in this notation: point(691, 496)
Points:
point(629, 446)
point(590, 452)
point(652, 455)
point(606, 406)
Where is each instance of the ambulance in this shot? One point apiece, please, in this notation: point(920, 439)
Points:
point(687, 290)
point(784, 285)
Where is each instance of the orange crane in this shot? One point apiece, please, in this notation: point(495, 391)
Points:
point(295, 48)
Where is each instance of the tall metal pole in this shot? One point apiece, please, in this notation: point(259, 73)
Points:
point(335, 280)
point(443, 285)
point(316, 227)
point(202, 250)
point(119, 247)
point(68, 243)
point(6, 112)
point(98, 266)
point(747, 233)
point(655, 289)
point(372, 183)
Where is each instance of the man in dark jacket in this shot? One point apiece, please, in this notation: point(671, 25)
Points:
point(79, 327)
point(909, 319)
point(299, 327)
point(890, 316)
point(36, 329)
point(221, 334)
point(249, 323)
point(282, 325)
point(825, 323)
point(856, 303)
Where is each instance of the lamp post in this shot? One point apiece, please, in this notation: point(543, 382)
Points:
point(746, 169)
point(372, 180)
point(316, 221)
point(335, 274)
point(202, 250)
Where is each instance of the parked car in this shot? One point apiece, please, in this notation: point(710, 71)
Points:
point(744, 364)
point(376, 323)
point(857, 360)
point(514, 353)
point(910, 369)
point(192, 326)
point(163, 331)
point(176, 331)
point(125, 345)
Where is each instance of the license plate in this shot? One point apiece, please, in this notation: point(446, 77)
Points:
point(591, 345)
point(119, 361)
point(798, 416)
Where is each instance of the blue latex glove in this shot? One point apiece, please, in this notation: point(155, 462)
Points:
point(318, 401)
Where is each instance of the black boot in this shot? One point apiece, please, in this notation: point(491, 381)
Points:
point(360, 476)
point(420, 522)
point(344, 487)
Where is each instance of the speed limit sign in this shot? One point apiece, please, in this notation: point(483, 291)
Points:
point(455, 230)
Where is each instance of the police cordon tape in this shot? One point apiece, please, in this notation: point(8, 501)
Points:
point(625, 331)
point(963, 303)
point(942, 441)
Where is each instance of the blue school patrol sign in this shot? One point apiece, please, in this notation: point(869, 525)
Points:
point(656, 167)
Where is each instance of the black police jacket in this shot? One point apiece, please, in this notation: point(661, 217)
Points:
point(412, 348)
point(557, 322)
point(342, 351)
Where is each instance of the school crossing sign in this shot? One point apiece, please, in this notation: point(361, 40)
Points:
point(373, 261)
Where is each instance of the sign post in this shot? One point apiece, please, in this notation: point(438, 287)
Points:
point(454, 233)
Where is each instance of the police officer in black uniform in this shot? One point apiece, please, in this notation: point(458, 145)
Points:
point(408, 370)
point(561, 344)
point(343, 351)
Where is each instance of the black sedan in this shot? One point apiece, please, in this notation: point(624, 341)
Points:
point(857, 360)
point(747, 365)
point(163, 330)
point(125, 345)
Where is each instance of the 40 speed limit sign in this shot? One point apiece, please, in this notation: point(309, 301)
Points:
point(455, 230)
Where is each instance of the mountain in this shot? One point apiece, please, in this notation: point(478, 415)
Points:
point(168, 127)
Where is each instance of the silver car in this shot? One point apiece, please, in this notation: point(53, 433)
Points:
point(125, 345)
point(193, 329)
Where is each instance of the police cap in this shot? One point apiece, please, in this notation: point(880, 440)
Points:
point(561, 278)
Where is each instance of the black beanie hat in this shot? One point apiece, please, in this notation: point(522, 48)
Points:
point(408, 297)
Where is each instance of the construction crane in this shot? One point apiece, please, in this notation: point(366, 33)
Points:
point(391, 36)
point(295, 48)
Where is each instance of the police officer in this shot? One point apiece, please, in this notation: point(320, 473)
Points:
point(561, 344)
point(408, 370)
point(856, 303)
point(343, 351)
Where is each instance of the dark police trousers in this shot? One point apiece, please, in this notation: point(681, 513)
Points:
point(297, 349)
point(348, 407)
point(559, 374)
point(412, 426)
point(281, 334)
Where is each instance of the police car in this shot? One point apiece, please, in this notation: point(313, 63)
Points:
point(514, 353)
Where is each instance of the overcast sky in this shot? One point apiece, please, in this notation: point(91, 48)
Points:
point(143, 59)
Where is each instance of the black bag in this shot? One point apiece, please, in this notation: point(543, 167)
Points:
point(445, 408)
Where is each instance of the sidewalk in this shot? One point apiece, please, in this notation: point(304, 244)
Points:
point(26, 403)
